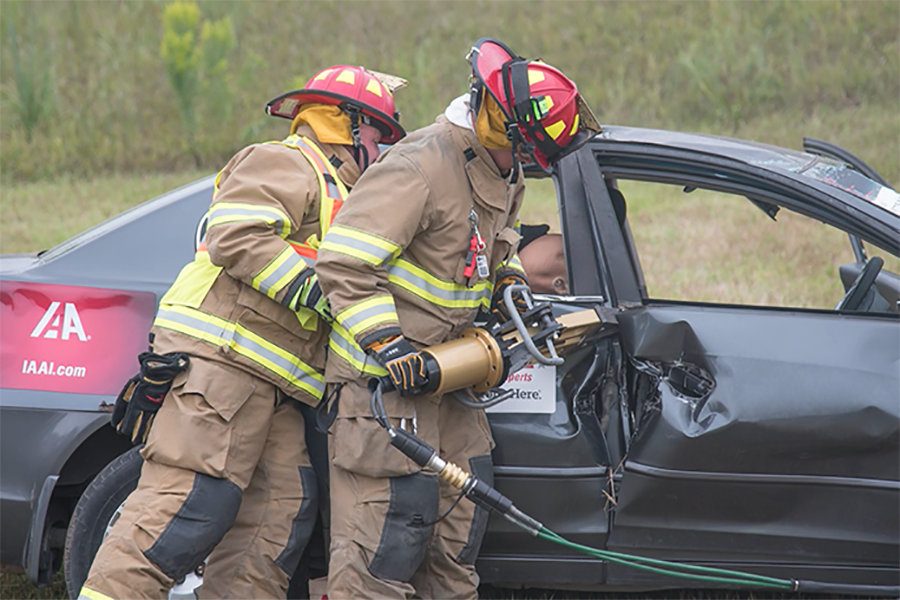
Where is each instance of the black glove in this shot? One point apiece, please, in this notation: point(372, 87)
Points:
point(142, 396)
point(404, 364)
point(498, 306)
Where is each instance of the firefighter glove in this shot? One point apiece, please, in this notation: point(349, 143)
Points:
point(404, 364)
point(309, 295)
point(143, 394)
point(498, 306)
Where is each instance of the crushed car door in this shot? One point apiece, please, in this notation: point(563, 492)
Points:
point(763, 437)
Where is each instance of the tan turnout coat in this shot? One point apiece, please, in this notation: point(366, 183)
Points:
point(403, 236)
point(241, 242)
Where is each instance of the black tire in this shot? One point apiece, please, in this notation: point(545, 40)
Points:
point(92, 514)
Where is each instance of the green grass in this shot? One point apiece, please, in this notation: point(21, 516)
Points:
point(720, 248)
point(94, 95)
point(15, 585)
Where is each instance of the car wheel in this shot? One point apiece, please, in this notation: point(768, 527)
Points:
point(99, 509)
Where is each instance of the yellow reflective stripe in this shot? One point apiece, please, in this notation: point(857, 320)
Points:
point(331, 189)
point(195, 323)
point(219, 332)
point(513, 263)
point(368, 313)
point(236, 212)
point(87, 592)
point(291, 368)
point(283, 269)
point(343, 345)
point(359, 244)
point(339, 187)
point(447, 294)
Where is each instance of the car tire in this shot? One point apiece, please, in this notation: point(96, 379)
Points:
point(91, 517)
point(100, 502)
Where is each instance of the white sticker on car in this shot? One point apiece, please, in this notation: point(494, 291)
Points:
point(888, 199)
point(534, 391)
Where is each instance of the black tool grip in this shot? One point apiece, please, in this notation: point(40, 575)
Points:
point(387, 384)
point(415, 449)
point(487, 497)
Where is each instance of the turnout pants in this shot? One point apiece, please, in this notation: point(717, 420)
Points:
point(226, 471)
point(384, 543)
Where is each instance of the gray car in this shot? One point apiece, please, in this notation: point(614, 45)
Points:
point(762, 439)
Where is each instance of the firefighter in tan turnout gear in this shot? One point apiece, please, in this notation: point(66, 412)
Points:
point(226, 459)
point(424, 241)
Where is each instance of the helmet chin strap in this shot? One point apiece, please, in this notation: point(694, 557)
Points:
point(358, 147)
point(512, 133)
point(518, 144)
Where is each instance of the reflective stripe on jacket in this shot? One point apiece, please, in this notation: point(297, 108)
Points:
point(272, 205)
point(393, 261)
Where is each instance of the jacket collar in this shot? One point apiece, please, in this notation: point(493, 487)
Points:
point(349, 170)
point(466, 138)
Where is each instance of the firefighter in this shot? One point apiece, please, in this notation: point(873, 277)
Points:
point(226, 460)
point(424, 241)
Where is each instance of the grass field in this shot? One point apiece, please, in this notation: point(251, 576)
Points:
point(86, 89)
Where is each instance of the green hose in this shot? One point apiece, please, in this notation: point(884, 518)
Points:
point(662, 567)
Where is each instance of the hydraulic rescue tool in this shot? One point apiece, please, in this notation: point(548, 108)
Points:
point(481, 360)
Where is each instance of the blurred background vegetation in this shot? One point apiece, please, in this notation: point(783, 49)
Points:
point(92, 88)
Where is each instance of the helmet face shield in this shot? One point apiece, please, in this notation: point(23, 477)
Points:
point(487, 58)
point(546, 117)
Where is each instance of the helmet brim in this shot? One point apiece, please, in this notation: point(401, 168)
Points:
point(287, 106)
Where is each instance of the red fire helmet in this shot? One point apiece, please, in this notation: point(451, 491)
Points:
point(353, 89)
point(545, 114)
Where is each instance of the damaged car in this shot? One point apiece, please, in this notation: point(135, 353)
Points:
point(755, 436)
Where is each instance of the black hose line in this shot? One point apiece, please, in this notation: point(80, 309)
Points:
point(490, 499)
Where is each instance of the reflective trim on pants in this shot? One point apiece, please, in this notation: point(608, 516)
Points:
point(87, 593)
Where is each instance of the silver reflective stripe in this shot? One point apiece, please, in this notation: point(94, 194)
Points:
point(294, 371)
point(221, 335)
point(332, 190)
point(352, 321)
point(458, 298)
point(218, 215)
point(353, 354)
point(205, 330)
point(292, 262)
point(378, 253)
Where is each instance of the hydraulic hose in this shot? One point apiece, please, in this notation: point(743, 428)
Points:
point(490, 499)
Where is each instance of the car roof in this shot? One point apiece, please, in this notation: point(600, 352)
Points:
point(741, 150)
point(837, 178)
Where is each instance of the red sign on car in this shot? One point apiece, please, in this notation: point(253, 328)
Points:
point(62, 338)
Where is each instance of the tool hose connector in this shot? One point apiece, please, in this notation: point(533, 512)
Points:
point(454, 475)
